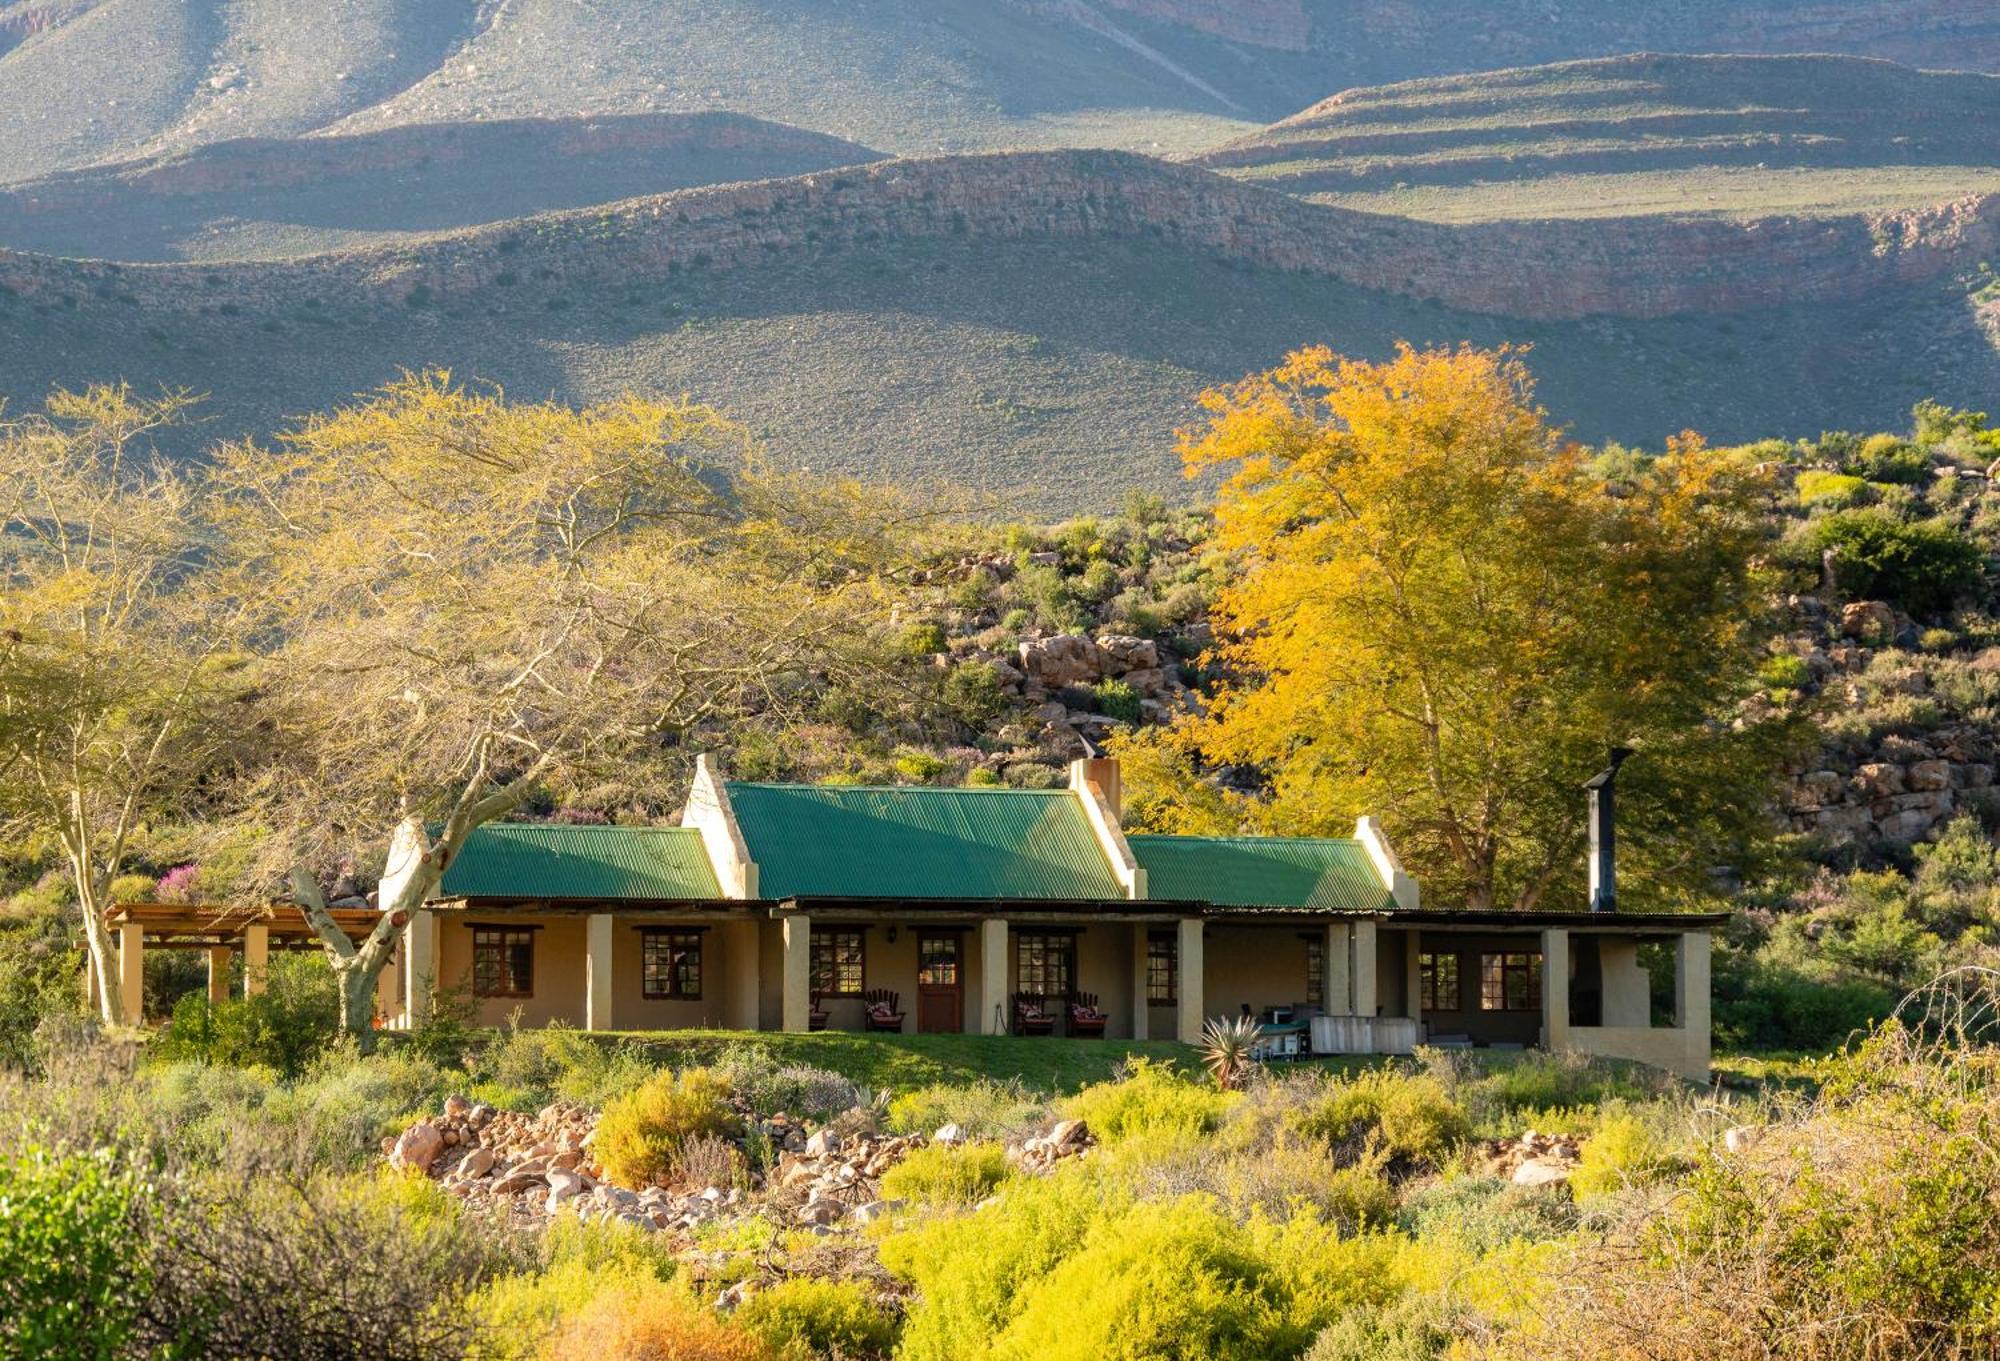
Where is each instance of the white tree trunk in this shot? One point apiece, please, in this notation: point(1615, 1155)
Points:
point(101, 953)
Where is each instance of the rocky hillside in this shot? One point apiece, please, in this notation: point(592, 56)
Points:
point(1640, 135)
point(92, 81)
point(1038, 323)
point(271, 197)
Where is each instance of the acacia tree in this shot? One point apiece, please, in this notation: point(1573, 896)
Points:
point(1444, 616)
point(117, 693)
point(466, 602)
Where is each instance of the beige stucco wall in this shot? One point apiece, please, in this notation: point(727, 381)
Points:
point(1261, 966)
point(558, 971)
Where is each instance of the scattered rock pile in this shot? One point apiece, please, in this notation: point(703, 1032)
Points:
point(834, 1178)
point(1534, 1159)
point(1066, 1139)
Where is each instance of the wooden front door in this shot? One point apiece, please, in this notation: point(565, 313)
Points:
point(940, 988)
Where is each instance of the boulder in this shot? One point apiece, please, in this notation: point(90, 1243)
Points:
point(1738, 1138)
point(1879, 779)
point(949, 1134)
point(1868, 620)
point(1122, 653)
point(822, 1142)
point(418, 1147)
point(1541, 1172)
point(477, 1163)
point(1818, 789)
point(1930, 775)
point(874, 1210)
point(1068, 1133)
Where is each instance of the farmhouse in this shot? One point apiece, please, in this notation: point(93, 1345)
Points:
point(1001, 911)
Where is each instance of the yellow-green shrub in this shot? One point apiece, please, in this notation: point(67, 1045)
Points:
point(1818, 487)
point(1622, 1152)
point(651, 1321)
point(1410, 1116)
point(943, 1175)
point(641, 1134)
point(1154, 1099)
point(807, 1317)
point(967, 1268)
point(578, 1261)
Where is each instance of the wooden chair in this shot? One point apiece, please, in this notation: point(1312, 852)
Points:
point(816, 1018)
point(1085, 1020)
point(881, 1010)
point(1031, 1017)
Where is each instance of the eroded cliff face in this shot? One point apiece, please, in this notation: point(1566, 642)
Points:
point(1283, 24)
point(1540, 270)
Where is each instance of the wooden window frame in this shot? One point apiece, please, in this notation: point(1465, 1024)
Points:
point(1054, 945)
point(1316, 971)
point(957, 955)
point(1440, 988)
point(826, 973)
point(1163, 968)
point(1497, 971)
point(500, 970)
point(678, 942)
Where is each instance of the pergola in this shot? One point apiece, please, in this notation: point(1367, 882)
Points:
point(219, 930)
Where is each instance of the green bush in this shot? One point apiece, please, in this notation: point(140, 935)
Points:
point(923, 639)
point(1154, 1099)
point(1410, 1117)
point(1885, 458)
point(70, 1282)
point(1116, 699)
point(943, 1175)
point(983, 1109)
point(972, 694)
point(284, 1027)
point(1786, 672)
point(1924, 567)
point(1838, 491)
point(806, 1317)
point(1622, 1152)
point(641, 1135)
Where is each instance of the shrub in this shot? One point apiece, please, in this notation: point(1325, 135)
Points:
point(920, 767)
point(983, 1109)
point(1410, 1117)
point(1116, 699)
point(1623, 1152)
point(1099, 581)
point(923, 639)
point(972, 694)
point(641, 1134)
point(1153, 1099)
point(651, 1322)
point(284, 1027)
point(1786, 672)
point(1169, 1280)
point(1937, 640)
point(797, 1089)
point(805, 1317)
point(1885, 458)
point(1482, 1214)
point(943, 1175)
point(1838, 491)
point(1924, 567)
point(69, 1285)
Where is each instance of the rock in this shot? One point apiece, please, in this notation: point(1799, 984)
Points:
point(1738, 1138)
point(563, 1186)
point(516, 1181)
point(949, 1134)
point(821, 1143)
point(1879, 779)
point(477, 1163)
point(876, 1209)
point(1930, 775)
point(1818, 789)
point(821, 1212)
point(1067, 1133)
point(418, 1147)
point(1868, 620)
point(456, 1108)
point(1541, 1172)
point(1123, 653)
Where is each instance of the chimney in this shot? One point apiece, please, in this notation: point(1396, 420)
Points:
point(1604, 833)
point(1101, 771)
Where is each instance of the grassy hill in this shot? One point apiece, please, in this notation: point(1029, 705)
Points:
point(260, 198)
point(1639, 136)
point(1050, 371)
point(93, 81)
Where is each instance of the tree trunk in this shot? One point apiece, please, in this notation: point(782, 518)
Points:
point(101, 956)
point(358, 977)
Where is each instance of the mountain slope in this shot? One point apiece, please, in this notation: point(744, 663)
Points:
point(1036, 322)
point(261, 198)
point(90, 81)
point(1639, 135)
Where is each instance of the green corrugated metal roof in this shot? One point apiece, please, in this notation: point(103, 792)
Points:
point(1258, 871)
point(916, 842)
point(550, 860)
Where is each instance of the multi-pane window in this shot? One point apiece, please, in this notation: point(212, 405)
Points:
point(937, 962)
point(838, 963)
point(1045, 964)
point(1439, 975)
point(670, 964)
point(1316, 971)
point(503, 962)
point(1163, 968)
point(1510, 982)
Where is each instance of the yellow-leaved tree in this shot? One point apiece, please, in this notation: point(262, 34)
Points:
point(1443, 615)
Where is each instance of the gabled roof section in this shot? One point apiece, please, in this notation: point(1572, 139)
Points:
point(555, 861)
point(1321, 874)
point(854, 841)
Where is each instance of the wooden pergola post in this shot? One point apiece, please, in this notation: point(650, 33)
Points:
point(256, 958)
point(219, 959)
point(132, 971)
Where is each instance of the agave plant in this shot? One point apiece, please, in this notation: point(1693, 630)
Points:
point(1226, 1047)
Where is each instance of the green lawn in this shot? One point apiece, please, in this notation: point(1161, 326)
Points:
point(898, 1063)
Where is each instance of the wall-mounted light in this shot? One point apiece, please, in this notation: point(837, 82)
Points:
point(892, 933)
